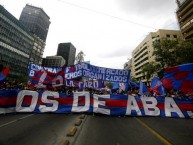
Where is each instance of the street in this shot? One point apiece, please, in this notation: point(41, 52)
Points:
point(34, 129)
point(50, 129)
point(105, 130)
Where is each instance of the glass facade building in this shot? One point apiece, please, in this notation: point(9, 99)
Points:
point(68, 52)
point(37, 22)
point(16, 44)
point(37, 51)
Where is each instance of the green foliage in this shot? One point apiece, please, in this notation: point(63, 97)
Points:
point(109, 84)
point(185, 52)
point(133, 79)
point(165, 52)
point(149, 70)
point(172, 52)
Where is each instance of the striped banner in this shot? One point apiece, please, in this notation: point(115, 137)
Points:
point(111, 104)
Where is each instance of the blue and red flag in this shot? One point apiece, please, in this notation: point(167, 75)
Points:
point(143, 88)
point(101, 83)
point(3, 74)
point(133, 84)
point(45, 79)
point(156, 86)
point(179, 78)
point(115, 86)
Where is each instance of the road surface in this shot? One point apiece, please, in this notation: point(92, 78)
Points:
point(51, 129)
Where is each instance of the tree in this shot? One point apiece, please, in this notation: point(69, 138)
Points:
point(172, 52)
point(109, 85)
point(133, 79)
point(127, 65)
point(80, 57)
point(165, 52)
point(185, 52)
point(149, 70)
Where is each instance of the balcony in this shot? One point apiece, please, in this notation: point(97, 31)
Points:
point(138, 71)
point(144, 58)
point(187, 28)
point(139, 51)
point(141, 64)
point(139, 76)
point(188, 35)
point(186, 16)
point(184, 7)
point(140, 56)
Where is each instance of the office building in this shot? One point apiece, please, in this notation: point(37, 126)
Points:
point(16, 44)
point(37, 22)
point(53, 61)
point(37, 51)
point(185, 17)
point(143, 53)
point(68, 52)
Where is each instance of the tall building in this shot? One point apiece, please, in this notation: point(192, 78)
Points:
point(37, 22)
point(185, 17)
point(53, 61)
point(143, 53)
point(68, 52)
point(16, 44)
point(37, 51)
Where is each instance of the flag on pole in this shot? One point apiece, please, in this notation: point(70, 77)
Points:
point(115, 86)
point(142, 88)
point(156, 86)
point(133, 85)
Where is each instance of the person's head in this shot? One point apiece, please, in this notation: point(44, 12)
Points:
point(1, 67)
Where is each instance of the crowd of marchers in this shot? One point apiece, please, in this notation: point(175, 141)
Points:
point(16, 85)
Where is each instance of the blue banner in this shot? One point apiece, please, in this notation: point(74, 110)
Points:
point(35, 68)
point(97, 84)
point(89, 71)
point(110, 104)
point(95, 72)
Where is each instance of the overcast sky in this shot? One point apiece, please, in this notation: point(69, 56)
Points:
point(107, 31)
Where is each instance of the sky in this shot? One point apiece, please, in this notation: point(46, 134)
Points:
point(107, 31)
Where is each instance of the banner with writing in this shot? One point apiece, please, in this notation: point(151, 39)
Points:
point(89, 71)
point(95, 72)
point(111, 104)
point(97, 84)
point(35, 68)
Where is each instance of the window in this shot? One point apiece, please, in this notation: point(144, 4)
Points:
point(167, 35)
point(175, 36)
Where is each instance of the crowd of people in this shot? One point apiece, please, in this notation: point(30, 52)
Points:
point(12, 85)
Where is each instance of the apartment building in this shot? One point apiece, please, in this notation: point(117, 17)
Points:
point(143, 53)
point(185, 17)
